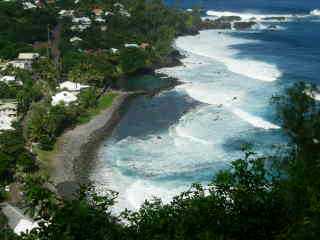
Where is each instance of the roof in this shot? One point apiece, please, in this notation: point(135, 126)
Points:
point(25, 226)
point(84, 20)
point(114, 50)
point(118, 5)
point(72, 86)
point(8, 78)
point(6, 122)
point(107, 13)
point(97, 11)
point(18, 222)
point(100, 19)
point(63, 97)
point(28, 5)
point(75, 39)
point(28, 56)
point(8, 104)
point(131, 45)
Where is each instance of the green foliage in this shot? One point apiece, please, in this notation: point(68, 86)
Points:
point(132, 59)
point(88, 98)
point(7, 92)
point(29, 93)
point(86, 73)
point(19, 28)
point(45, 123)
point(46, 72)
point(13, 154)
point(251, 200)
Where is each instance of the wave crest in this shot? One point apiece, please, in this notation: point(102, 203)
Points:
point(315, 12)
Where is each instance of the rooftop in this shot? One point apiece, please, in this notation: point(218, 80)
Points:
point(63, 97)
point(72, 86)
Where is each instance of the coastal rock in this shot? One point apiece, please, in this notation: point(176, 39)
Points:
point(274, 18)
point(243, 25)
point(214, 24)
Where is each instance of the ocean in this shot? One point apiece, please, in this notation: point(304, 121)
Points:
point(165, 143)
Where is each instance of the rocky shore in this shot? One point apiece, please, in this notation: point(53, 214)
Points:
point(74, 145)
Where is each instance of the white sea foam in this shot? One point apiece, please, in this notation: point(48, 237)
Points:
point(247, 16)
point(254, 120)
point(218, 46)
point(196, 143)
point(262, 27)
point(142, 190)
point(315, 12)
point(228, 99)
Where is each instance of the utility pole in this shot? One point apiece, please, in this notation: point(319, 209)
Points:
point(49, 44)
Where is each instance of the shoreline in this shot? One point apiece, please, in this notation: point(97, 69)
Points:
point(75, 145)
point(76, 149)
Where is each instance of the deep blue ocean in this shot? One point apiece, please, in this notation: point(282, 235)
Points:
point(184, 135)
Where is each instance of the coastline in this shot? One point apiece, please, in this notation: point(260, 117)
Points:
point(74, 146)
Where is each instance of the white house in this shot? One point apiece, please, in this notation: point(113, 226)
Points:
point(82, 20)
point(100, 19)
point(118, 5)
point(28, 5)
point(114, 50)
point(107, 13)
point(17, 220)
point(72, 86)
point(64, 97)
point(20, 64)
point(28, 56)
point(124, 13)
point(10, 80)
point(66, 13)
point(131, 45)
point(75, 39)
point(8, 114)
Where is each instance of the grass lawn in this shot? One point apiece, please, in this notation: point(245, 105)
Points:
point(104, 102)
point(44, 158)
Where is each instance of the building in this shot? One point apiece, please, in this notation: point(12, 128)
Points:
point(144, 45)
point(72, 86)
point(82, 20)
point(97, 11)
point(66, 13)
point(10, 80)
point(29, 5)
point(64, 97)
point(131, 45)
point(75, 39)
point(8, 114)
point(20, 64)
point(17, 220)
point(114, 50)
point(100, 20)
point(28, 56)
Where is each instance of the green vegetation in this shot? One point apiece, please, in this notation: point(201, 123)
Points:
point(103, 102)
point(270, 197)
point(266, 197)
point(20, 28)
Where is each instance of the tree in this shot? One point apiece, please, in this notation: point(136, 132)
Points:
point(86, 73)
point(47, 73)
point(29, 93)
point(132, 59)
point(88, 98)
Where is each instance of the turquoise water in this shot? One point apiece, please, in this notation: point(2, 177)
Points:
point(187, 134)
